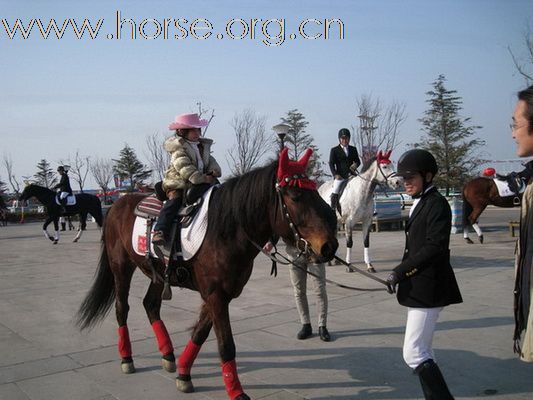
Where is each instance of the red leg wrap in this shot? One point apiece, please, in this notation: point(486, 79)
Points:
point(124, 344)
point(231, 379)
point(187, 358)
point(163, 339)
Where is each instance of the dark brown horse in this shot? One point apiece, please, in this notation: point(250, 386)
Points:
point(477, 195)
point(276, 200)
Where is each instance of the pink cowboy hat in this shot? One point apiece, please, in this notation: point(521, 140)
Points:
point(185, 121)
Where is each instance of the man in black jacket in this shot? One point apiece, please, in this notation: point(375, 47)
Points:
point(425, 279)
point(63, 187)
point(343, 162)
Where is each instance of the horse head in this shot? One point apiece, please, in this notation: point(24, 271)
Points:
point(27, 192)
point(306, 222)
point(386, 173)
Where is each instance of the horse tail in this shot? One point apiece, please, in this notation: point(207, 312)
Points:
point(98, 301)
point(467, 210)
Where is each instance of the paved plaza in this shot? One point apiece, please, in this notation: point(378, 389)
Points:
point(44, 357)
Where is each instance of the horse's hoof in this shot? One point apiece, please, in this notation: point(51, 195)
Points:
point(370, 268)
point(128, 367)
point(168, 365)
point(51, 238)
point(75, 240)
point(481, 239)
point(348, 269)
point(55, 241)
point(184, 386)
point(243, 396)
point(469, 241)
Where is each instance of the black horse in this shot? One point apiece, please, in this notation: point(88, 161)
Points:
point(85, 204)
point(3, 212)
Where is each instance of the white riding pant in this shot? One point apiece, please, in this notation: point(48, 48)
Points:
point(299, 283)
point(419, 329)
point(337, 185)
point(62, 195)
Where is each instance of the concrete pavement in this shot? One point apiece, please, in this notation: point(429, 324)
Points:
point(43, 356)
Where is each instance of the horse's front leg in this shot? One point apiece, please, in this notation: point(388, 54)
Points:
point(219, 307)
point(82, 227)
point(45, 230)
point(366, 243)
point(349, 243)
point(199, 335)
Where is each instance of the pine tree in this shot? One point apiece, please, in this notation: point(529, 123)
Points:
point(449, 137)
point(45, 175)
point(297, 140)
point(129, 168)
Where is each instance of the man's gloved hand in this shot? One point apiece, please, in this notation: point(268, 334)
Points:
point(392, 282)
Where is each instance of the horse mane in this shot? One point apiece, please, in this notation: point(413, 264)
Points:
point(243, 201)
point(368, 163)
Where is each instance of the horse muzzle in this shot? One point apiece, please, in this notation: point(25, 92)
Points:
point(327, 252)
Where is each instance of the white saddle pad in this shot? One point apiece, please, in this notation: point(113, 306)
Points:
point(71, 200)
point(192, 236)
point(503, 188)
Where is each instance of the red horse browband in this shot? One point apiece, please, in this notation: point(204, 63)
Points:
point(292, 173)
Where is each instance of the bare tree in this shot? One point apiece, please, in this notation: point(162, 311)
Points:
point(524, 65)
point(207, 113)
point(252, 142)
point(8, 163)
point(157, 156)
point(79, 169)
point(379, 125)
point(102, 170)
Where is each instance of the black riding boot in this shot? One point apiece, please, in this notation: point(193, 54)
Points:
point(432, 381)
point(63, 226)
point(63, 205)
point(166, 216)
point(176, 259)
point(334, 201)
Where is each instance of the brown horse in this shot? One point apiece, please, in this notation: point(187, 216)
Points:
point(247, 211)
point(477, 195)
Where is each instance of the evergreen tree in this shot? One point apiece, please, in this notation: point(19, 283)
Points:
point(297, 141)
point(449, 137)
point(130, 169)
point(45, 175)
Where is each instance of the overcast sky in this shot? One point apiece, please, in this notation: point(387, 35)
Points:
point(95, 95)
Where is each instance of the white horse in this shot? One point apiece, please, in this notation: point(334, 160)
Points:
point(357, 201)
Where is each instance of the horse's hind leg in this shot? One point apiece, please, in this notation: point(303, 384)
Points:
point(191, 350)
point(474, 216)
point(152, 305)
point(349, 244)
point(122, 289)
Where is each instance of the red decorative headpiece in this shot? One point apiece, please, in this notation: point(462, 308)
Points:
point(292, 173)
point(383, 158)
point(489, 171)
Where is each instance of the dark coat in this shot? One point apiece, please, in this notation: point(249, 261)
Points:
point(64, 184)
point(339, 163)
point(426, 276)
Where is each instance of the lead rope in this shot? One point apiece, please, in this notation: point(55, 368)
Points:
point(277, 257)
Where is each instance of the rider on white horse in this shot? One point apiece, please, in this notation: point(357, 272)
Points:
point(63, 187)
point(343, 162)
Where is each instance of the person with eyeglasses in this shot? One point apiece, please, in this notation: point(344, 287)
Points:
point(522, 133)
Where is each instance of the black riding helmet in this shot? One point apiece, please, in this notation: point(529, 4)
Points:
point(60, 168)
point(417, 161)
point(344, 132)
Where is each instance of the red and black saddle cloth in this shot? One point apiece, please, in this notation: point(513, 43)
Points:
point(149, 207)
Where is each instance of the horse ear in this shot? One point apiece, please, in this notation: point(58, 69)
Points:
point(380, 156)
point(306, 156)
point(283, 161)
point(387, 154)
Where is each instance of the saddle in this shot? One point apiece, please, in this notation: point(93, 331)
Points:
point(515, 183)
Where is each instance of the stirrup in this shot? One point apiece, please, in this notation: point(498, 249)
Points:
point(516, 201)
